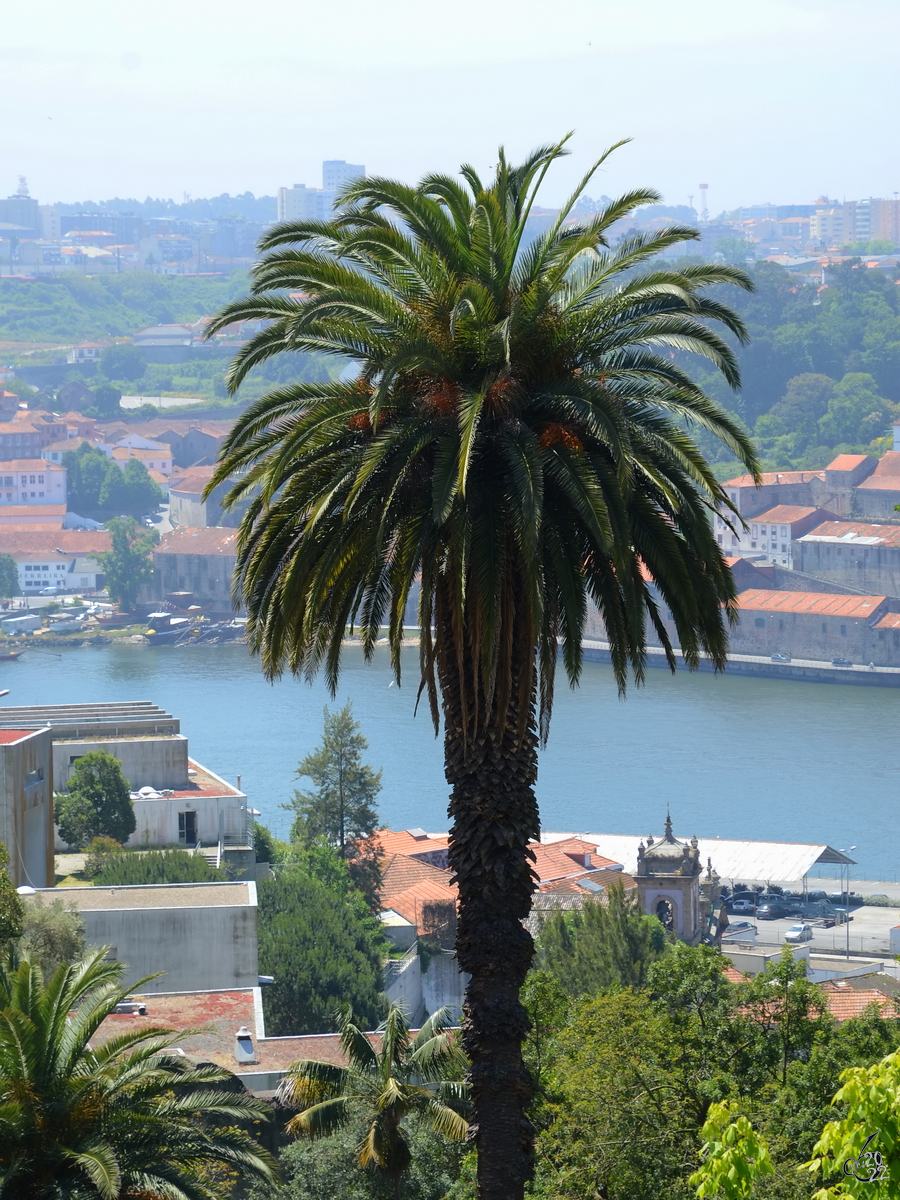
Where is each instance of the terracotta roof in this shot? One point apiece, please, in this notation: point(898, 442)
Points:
point(400, 873)
point(844, 1003)
point(402, 841)
point(576, 848)
point(121, 452)
point(411, 902)
point(8, 736)
point(603, 878)
point(854, 532)
point(783, 514)
point(70, 541)
point(192, 482)
point(846, 462)
point(30, 464)
point(190, 540)
point(733, 975)
point(886, 476)
point(888, 621)
point(756, 600)
point(774, 477)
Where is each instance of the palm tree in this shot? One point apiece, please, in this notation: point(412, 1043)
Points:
point(125, 1118)
point(517, 437)
point(391, 1080)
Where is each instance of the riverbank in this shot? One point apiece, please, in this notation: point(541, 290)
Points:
point(800, 670)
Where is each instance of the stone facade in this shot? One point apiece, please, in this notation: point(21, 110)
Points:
point(853, 554)
point(668, 881)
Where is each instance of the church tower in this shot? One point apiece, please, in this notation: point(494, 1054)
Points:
point(668, 880)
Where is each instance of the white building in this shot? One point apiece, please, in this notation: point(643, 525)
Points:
point(769, 535)
point(302, 203)
point(69, 572)
point(32, 481)
point(87, 352)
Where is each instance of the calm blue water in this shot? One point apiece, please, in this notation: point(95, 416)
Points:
point(733, 757)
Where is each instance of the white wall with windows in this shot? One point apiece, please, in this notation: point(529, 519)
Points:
point(32, 481)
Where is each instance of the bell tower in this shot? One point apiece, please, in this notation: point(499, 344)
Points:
point(668, 880)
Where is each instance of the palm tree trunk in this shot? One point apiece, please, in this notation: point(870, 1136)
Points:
point(491, 765)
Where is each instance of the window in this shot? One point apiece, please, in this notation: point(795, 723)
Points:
point(784, 531)
point(31, 479)
point(780, 625)
point(753, 545)
point(824, 627)
point(187, 828)
point(73, 759)
point(753, 531)
point(40, 495)
point(783, 544)
point(8, 481)
point(762, 530)
point(719, 539)
point(24, 480)
point(760, 622)
point(41, 480)
point(843, 631)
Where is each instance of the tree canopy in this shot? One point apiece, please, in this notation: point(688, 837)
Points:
point(317, 938)
point(128, 565)
point(97, 802)
point(9, 577)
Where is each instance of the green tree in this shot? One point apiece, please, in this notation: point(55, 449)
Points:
point(129, 488)
point(798, 411)
point(9, 577)
point(157, 866)
point(86, 471)
point(83, 1117)
point(608, 941)
point(121, 361)
point(342, 807)
point(517, 438)
point(51, 934)
point(856, 413)
point(394, 1080)
point(12, 912)
point(736, 250)
point(128, 564)
point(97, 802)
point(106, 400)
point(322, 946)
point(98, 853)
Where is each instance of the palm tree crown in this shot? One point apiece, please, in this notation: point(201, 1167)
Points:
point(124, 1118)
point(394, 1078)
point(516, 437)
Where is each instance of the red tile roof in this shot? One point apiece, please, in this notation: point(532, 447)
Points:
point(886, 476)
point(851, 532)
point(8, 736)
point(70, 541)
point(889, 621)
point(401, 841)
point(400, 873)
point(190, 540)
point(774, 477)
point(844, 1003)
point(846, 462)
point(192, 482)
point(30, 464)
point(863, 607)
point(783, 514)
point(411, 902)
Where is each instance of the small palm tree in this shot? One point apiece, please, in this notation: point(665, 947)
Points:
point(126, 1118)
point(391, 1079)
point(517, 438)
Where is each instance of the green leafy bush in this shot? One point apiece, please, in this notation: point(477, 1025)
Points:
point(158, 866)
point(51, 934)
point(99, 853)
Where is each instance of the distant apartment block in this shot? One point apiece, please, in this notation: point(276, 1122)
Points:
point(771, 533)
point(852, 554)
point(32, 481)
point(302, 203)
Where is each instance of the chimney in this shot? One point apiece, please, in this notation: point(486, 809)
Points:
point(243, 1047)
point(587, 858)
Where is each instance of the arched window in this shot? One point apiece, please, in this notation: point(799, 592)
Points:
point(666, 914)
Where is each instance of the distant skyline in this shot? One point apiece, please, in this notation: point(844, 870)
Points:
point(779, 100)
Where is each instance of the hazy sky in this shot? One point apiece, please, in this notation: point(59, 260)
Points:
point(777, 100)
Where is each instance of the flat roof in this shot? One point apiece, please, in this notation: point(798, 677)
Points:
point(783, 862)
point(153, 895)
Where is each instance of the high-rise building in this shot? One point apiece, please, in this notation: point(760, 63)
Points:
point(336, 172)
point(21, 211)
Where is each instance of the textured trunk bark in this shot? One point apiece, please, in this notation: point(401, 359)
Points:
point(492, 767)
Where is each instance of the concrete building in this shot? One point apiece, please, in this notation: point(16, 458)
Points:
point(165, 343)
point(26, 805)
point(187, 505)
point(812, 625)
point(202, 935)
point(200, 561)
point(158, 458)
point(26, 517)
point(65, 557)
point(879, 492)
point(853, 554)
point(769, 534)
point(32, 481)
point(176, 800)
point(302, 203)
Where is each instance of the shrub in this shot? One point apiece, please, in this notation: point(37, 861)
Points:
point(158, 866)
point(52, 934)
point(98, 854)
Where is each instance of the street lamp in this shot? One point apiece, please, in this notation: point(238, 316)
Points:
point(845, 894)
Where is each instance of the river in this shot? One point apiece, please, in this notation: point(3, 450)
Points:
point(732, 757)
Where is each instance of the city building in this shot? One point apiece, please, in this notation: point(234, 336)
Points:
point(87, 352)
point(202, 936)
point(196, 560)
point(26, 481)
point(186, 503)
point(769, 534)
point(32, 516)
point(812, 625)
point(853, 554)
point(158, 458)
point(164, 343)
point(302, 203)
point(668, 883)
point(877, 494)
point(26, 804)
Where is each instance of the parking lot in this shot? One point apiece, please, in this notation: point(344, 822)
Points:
point(868, 932)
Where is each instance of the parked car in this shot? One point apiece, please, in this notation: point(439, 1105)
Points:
point(781, 658)
point(739, 930)
point(743, 906)
point(770, 911)
point(801, 932)
point(841, 662)
point(52, 590)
